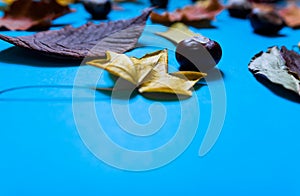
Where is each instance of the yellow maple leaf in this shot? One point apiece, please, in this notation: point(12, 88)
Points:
point(149, 73)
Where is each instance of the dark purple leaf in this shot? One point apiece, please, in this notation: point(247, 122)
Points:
point(90, 40)
point(292, 61)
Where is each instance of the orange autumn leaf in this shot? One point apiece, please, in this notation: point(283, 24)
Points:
point(26, 14)
point(201, 12)
point(291, 15)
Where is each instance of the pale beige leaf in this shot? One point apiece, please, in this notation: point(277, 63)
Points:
point(117, 64)
point(168, 83)
point(271, 65)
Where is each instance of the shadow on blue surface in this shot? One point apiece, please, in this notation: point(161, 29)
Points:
point(278, 89)
point(270, 35)
point(121, 94)
point(37, 29)
point(43, 98)
point(32, 58)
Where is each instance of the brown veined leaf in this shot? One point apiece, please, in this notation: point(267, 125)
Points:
point(26, 14)
point(149, 73)
point(90, 40)
point(199, 14)
point(291, 15)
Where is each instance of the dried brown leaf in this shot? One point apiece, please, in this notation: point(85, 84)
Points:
point(26, 14)
point(194, 14)
point(90, 40)
point(291, 15)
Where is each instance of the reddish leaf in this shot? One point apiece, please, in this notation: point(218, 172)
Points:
point(292, 61)
point(291, 15)
point(25, 14)
point(192, 14)
point(90, 40)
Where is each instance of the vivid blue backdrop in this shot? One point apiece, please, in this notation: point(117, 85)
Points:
point(42, 153)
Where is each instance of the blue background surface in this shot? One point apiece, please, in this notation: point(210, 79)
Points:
point(42, 153)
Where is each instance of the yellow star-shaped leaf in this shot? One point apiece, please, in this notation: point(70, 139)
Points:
point(149, 73)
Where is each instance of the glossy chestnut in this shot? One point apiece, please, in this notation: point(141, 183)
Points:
point(198, 54)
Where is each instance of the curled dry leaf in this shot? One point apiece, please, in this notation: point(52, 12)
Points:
point(26, 14)
point(200, 13)
point(90, 40)
point(280, 66)
point(291, 15)
point(149, 73)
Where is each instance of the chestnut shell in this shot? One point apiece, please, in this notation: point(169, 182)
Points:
point(98, 9)
point(266, 22)
point(191, 56)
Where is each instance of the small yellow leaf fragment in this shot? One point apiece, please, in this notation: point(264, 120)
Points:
point(65, 2)
point(210, 5)
point(149, 73)
point(177, 32)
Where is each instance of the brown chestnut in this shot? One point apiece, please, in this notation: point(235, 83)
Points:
point(99, 9)
point(266, 22)
point(198, 54)
point(239, 9)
